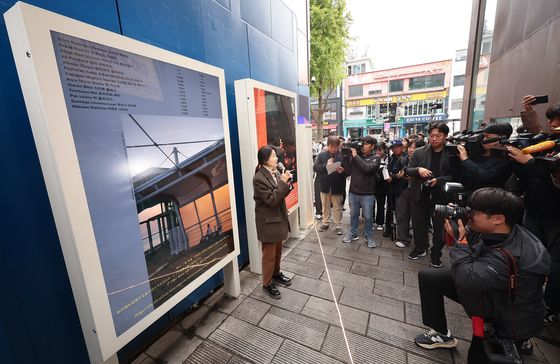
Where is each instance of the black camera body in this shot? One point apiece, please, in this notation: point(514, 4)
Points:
point(501, 351)
point(472, 141)
point(454, 194)
point(548, 165)
point(346, 149)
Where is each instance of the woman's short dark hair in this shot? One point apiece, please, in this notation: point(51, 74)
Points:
point(553, 112)
point(263, 155)
point(441, 127)
point(495, 201)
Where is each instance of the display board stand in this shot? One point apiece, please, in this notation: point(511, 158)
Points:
point(305, 165)
point(252, 127)
point(90, 94)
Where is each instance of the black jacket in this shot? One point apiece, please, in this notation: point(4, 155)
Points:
point(335, 182)
point(396, 164)
point(422, 157)
point(481, 275)
point(542, 198)
point(485, 172)
point(363, 171)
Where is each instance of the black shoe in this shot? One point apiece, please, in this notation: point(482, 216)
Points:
point(282, 279)
point(432, 339)
point(415, 254)
point(272, 291)
point(436, 263)
point(526, 348)
point(386, 233)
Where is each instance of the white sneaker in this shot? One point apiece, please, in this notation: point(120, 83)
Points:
point(379, 227)
point(318, 216)
point(400, 244)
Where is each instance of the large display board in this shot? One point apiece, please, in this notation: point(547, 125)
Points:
point(266, 115)
point(133, 143)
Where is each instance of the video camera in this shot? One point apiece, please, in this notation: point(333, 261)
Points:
point(454, 194)
point(538, 145)
point(346, 148)
point(471, 140)
point(546, 165)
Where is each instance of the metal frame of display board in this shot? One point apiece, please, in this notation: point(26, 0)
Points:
point(29, 30)
point(247, 127)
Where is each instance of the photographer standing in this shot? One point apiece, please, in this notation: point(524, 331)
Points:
point(486, 170)
point(404, 200)
point(362, 189)
point(396, 181)
point(331, 185)
point(542, 211)
point(429, 169)
point(480, 275)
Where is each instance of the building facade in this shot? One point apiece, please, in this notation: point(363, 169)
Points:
point(397, 101)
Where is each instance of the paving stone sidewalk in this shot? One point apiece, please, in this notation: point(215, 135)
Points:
point(377, 291)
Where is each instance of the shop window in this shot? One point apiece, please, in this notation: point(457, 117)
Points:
point(374, 92)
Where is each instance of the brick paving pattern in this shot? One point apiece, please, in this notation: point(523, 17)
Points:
point(377, 291)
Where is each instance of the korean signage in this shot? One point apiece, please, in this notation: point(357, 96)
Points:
point(399, 98)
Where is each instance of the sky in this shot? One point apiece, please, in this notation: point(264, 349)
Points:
point(407, 32)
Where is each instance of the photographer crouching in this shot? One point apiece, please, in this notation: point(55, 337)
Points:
point(497, 273)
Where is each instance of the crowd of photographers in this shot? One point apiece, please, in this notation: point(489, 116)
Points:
point(495, 200)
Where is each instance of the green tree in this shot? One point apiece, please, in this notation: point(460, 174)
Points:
point(329, 39)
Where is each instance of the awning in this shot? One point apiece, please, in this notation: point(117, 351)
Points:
point(328, 126)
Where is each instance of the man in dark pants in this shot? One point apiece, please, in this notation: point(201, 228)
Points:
point(480, 275)
point(429, 170)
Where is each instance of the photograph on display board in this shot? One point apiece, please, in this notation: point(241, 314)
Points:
point(149, 138)
point(276, 126)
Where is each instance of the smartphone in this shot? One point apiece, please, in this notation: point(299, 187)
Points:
point(543, 99)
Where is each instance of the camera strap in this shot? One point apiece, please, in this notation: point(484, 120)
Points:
point(455, 229)
point(512, 281)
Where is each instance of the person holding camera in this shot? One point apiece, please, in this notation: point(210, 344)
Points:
point(404, 199)
point(429, 169)
point(486, 170)
point(270, 191)
point(497, 272)
point(542, 210)
point(381, 190)
point(362, 189)
point(396, 181)
point(331, 185)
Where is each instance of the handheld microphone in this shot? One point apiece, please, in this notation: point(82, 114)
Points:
point(280, 167)
point(540, 147)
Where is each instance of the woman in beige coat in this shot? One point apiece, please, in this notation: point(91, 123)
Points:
point(270, 190)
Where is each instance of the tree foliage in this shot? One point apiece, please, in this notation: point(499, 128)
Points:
point(329, 39)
